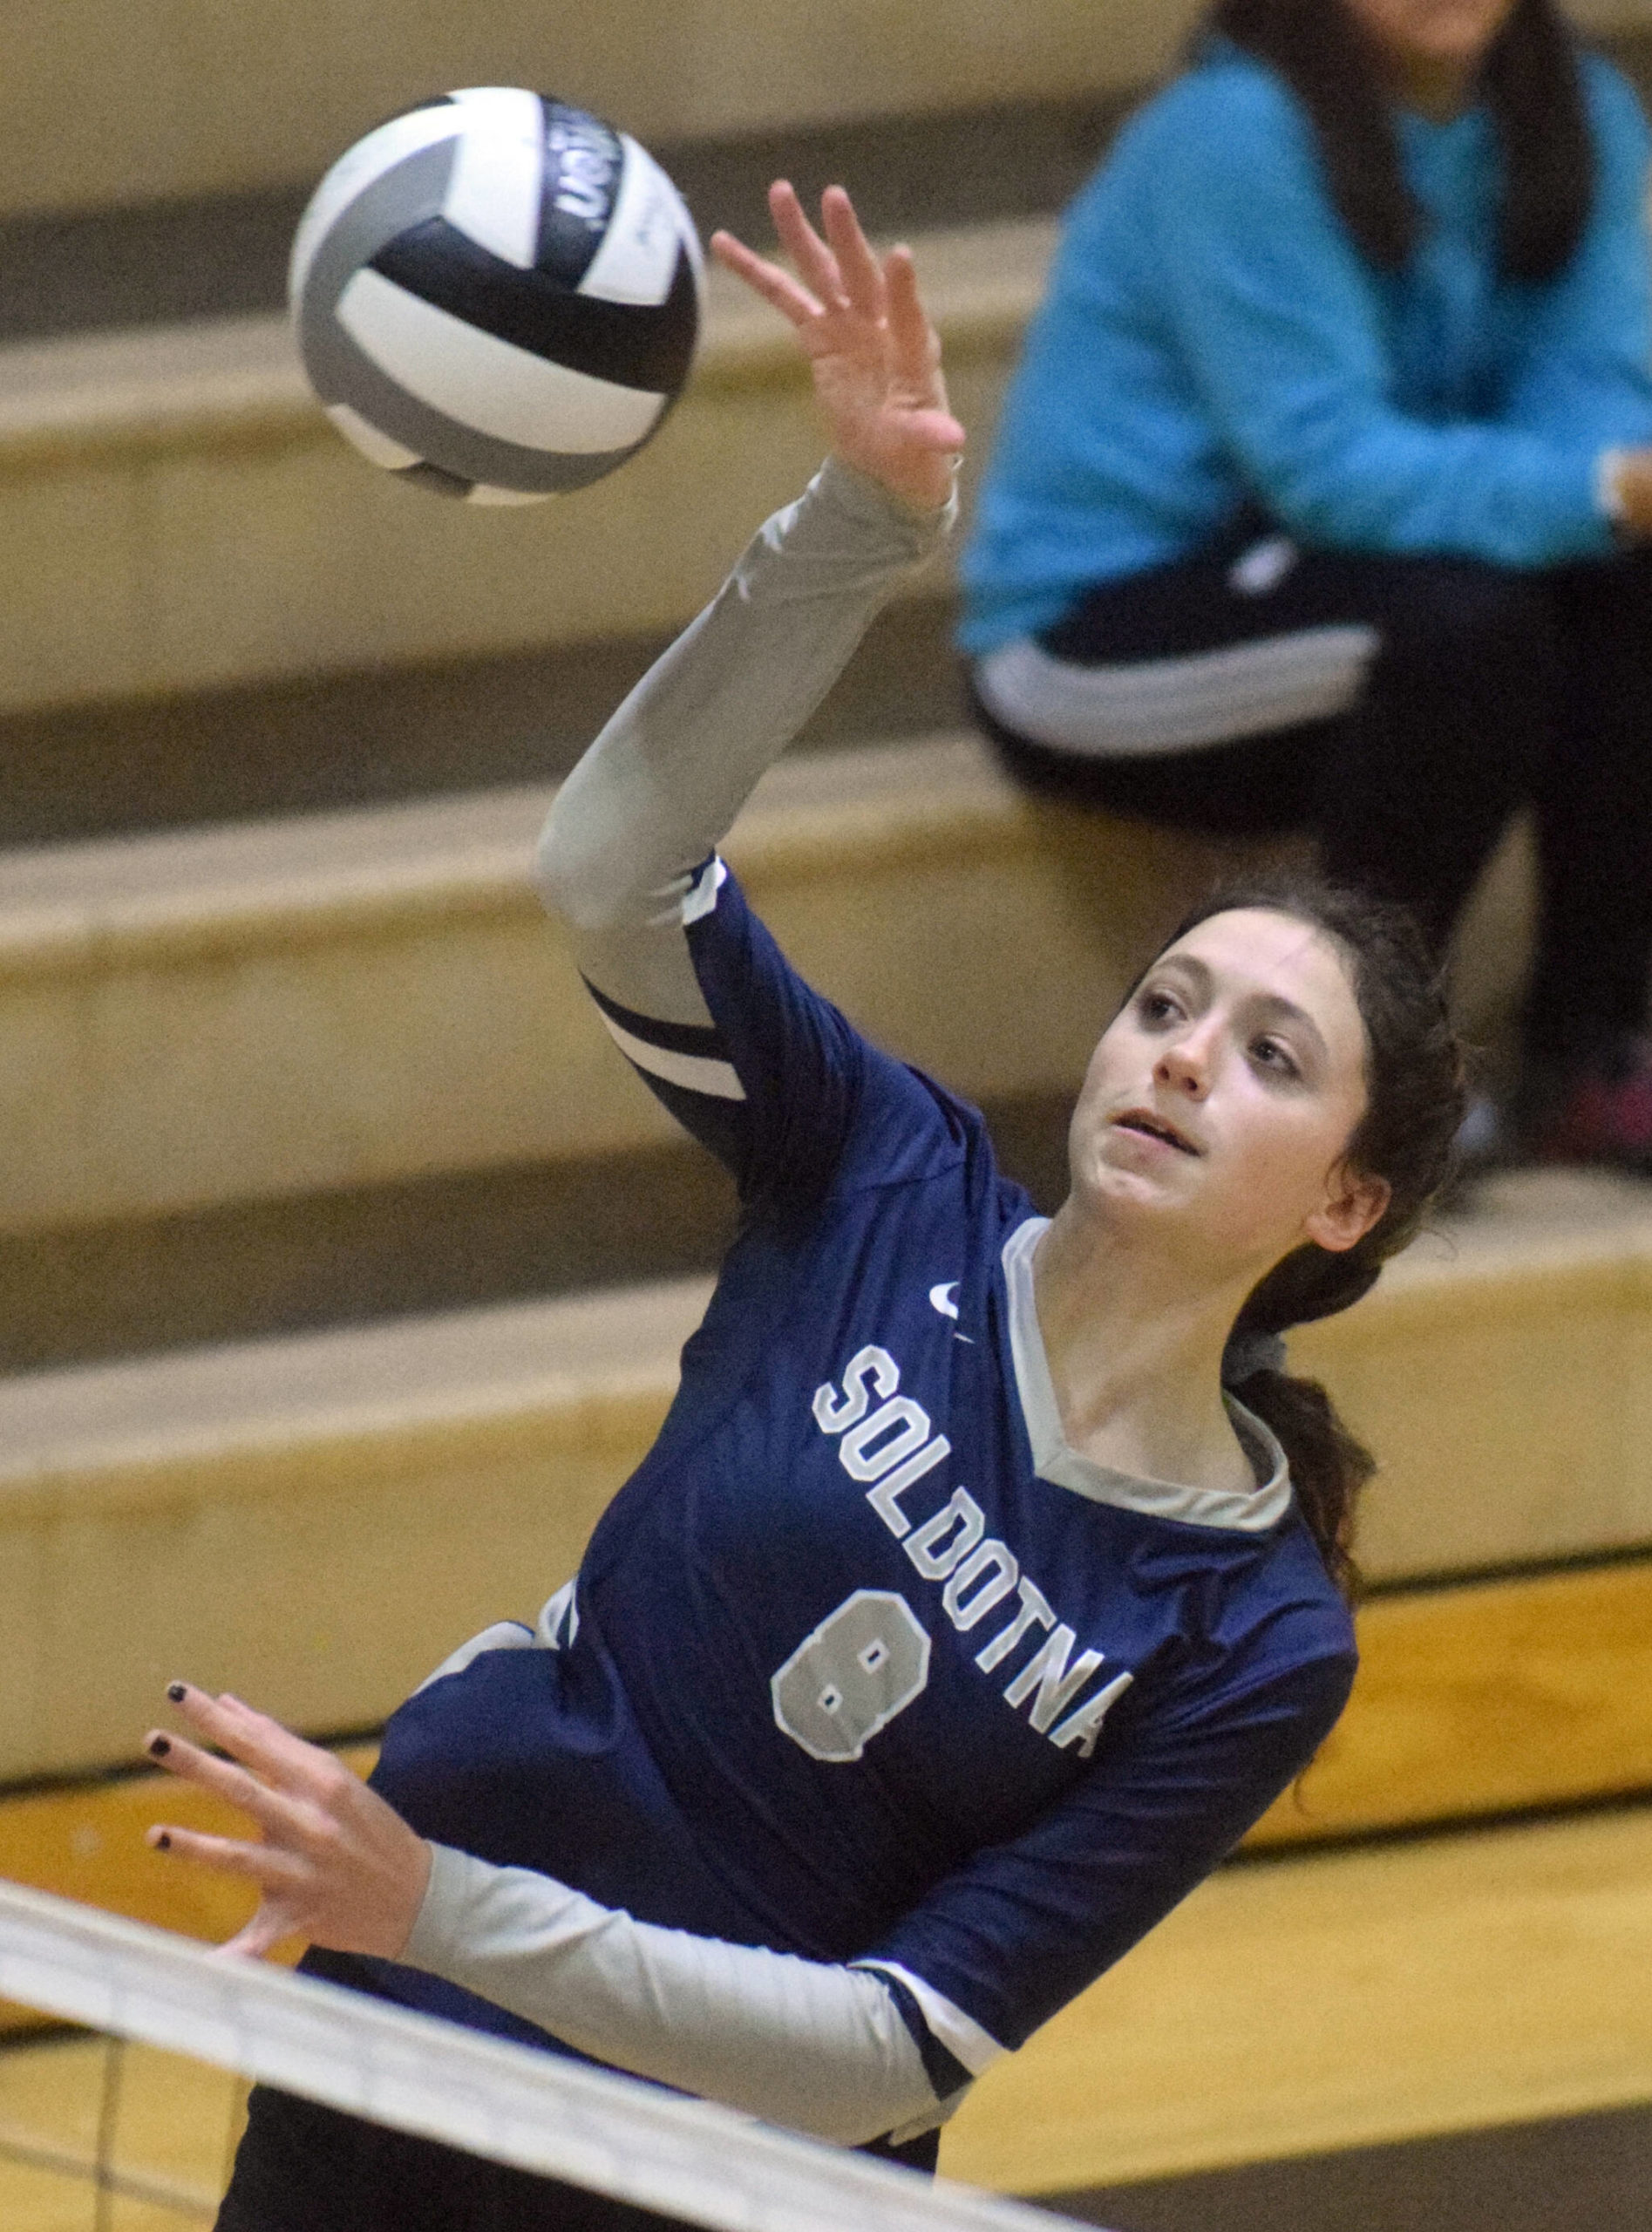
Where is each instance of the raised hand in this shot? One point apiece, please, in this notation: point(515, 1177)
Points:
point(333, 1863)
point(875, 357)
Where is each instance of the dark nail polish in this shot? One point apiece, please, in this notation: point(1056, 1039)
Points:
point(163, 1843)
point(177, 1691)
point(158, 1747)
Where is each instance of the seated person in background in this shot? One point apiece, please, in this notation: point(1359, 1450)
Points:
point(1316, 498)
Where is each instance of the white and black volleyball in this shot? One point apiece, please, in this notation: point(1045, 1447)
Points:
point(496, 296)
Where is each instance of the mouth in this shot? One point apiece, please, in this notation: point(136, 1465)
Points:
point(1148, 1125)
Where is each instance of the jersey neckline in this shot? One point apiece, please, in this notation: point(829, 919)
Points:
point(1055, 1460)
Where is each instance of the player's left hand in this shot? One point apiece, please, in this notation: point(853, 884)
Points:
point(332, 1862)
point(875, 357)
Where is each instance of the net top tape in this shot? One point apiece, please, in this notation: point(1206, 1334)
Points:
point(513, 2104)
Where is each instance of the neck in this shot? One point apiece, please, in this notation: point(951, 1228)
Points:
point(1134, 1344)
point(1436, 89)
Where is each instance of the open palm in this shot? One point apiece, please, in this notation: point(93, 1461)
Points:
point(875, 357)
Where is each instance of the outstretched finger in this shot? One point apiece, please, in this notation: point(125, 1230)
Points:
point(816, 266)
point(917, 347)
point(267, 1866)
point(861, 273)
point(272, 1751)
point(777, 286)
point(273, 1812)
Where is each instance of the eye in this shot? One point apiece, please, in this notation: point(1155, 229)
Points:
point(1157, 1007)
point(1274, 1055)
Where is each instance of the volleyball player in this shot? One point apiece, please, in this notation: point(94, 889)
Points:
point(961, 1617)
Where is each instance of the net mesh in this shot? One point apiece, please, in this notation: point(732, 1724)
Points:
point(127, 2122)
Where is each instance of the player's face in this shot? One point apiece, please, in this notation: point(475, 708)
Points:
point(1221, 1100)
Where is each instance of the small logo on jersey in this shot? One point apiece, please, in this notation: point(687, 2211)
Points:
point(943, 1297)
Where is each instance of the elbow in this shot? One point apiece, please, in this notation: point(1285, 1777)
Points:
point(576, 879)
point(1330, 515)
point(1328, 482)
point(1317, 501)
point(558, 873)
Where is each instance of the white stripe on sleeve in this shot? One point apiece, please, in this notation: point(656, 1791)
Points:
point(694, 1072)
point(959, 2033)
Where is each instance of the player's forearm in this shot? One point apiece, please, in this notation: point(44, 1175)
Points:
point(662, 783)
point(818, 2047)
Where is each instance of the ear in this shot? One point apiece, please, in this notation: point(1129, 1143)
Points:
point(1352, 1205)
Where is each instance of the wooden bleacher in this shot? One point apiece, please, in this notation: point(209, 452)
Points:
point(176, 512)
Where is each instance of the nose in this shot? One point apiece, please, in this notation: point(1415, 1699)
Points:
point(1186, 1061)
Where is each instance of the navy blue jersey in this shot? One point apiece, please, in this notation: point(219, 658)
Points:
point(864, 1662)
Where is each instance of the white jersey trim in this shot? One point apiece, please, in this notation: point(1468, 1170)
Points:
point(1251, 1512)
point(503, 1635)
point(556, 1627)
point(701, 896)
point(559, 1620)
point(694, 1072)
point(961, 2035)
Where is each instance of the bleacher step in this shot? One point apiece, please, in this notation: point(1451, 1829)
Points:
point(204, 100)
point(327, 1515)
point(176, 514)
point(320, 743)
point(257, 1011)
point(261, 1012)
point(1284, 2010)
point(1473, 1703)
point(318, 1520)
point(1314, 2003)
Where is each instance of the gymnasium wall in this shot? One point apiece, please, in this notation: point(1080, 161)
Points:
point(108, 101)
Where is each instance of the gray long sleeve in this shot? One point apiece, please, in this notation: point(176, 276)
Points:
point(816, 2046)
point(662, 785)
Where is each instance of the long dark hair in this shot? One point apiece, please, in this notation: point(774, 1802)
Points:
point(1415, 1095)
point(1530, 80)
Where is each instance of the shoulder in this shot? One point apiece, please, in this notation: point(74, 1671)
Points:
point(1285, 1680)
point(1314, 1636)
point(1296, 1579)
point(1617, 121)
point(1305, 1634)
point(1228, 106)
point(1227, 127)
point(909, 1131)
point(1614, 106)
point(1282, 1626)
point(1267, 1668)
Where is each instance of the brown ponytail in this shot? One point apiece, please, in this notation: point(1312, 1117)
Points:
point(1415, 1098)
point(1328, 1467)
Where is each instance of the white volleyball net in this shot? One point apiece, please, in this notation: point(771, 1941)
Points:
point(125, 2118)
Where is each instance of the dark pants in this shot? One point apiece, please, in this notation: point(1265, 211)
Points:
point(1489, 689)
point(304, 2168)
